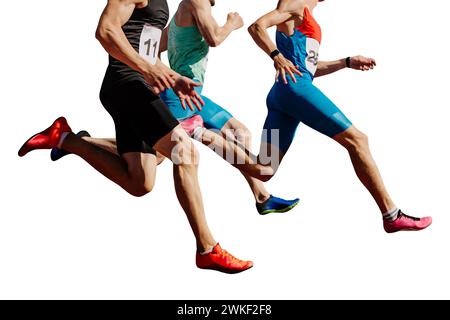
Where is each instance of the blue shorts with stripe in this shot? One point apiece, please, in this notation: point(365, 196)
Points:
point(290, 104)
point(214, 116)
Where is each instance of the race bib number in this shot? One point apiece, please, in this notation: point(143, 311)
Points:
point(312, 49)
point(149, 43)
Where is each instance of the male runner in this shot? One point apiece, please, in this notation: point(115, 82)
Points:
point(130, 31)
point(295, 99)
point(187, 39)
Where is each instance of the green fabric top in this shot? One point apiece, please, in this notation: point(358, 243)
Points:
point(187, 51)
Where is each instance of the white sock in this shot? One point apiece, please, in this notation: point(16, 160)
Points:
point(62, 138)
point(391, 215)
point(208, 251)
point(198, 133)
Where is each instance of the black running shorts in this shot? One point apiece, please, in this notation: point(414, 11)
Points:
point(141, 118)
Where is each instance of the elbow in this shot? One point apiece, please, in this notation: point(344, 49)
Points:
point(251, 29)
point(103, 33)
point(213, 42)
point(255, 28)
point(99, 34)
point(215, 38)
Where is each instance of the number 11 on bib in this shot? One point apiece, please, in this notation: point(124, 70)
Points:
point(149, 43)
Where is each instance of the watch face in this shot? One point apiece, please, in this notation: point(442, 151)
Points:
point(274, 53)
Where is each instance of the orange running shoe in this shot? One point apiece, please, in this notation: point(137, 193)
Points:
point(47, 139)
point(220, 260)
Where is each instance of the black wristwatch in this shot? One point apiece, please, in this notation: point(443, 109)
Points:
point(274, 53)
point(347, 62)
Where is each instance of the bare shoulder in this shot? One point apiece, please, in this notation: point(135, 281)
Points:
point(199, 4)
point(295, 7)
point(137, 3)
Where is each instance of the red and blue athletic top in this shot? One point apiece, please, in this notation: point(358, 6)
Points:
point(302, 48)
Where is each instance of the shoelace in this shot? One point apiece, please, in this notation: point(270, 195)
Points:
point(230, 257)
point(401, 214)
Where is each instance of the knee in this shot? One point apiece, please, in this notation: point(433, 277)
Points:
point(357, 141)
point(266, 177)
point(140, 190)
point(140, 184)
point(266, 172)
point(194, 155)
point(244, 135)
point(185, 154)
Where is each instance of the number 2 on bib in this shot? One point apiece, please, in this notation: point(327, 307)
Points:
point(149, 43)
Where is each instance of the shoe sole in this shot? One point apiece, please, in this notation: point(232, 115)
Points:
point(408, 229)
point(292, 206)
point(225, 270)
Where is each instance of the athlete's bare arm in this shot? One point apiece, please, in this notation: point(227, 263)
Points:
point(284, 17)
point(164, 41)
point(113, 39)
point(357, 63)
point(209, 28)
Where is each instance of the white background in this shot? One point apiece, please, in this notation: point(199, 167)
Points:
point(67, 232)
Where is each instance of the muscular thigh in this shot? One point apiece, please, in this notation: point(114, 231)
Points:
point(174, 104)
point(306, 103)
point(279, 132)
point(214, 116)
point(141, 118)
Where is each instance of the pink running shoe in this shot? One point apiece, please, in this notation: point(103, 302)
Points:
point(190, 125)
point(406, 223)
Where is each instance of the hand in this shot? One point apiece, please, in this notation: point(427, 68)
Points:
point(283, 66)
point(184, 89)
point(362, 63)
point(159, 78)
point(235, 20)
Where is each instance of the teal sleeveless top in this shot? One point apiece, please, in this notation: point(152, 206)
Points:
point(187, 51)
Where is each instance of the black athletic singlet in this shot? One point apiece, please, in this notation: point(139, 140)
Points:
point(140, 117)
point(154, 16)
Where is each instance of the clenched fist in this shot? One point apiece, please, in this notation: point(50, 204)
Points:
point(235, 20)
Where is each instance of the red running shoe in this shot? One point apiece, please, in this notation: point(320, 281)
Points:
point(46, 139)
point(407, 223)
point(220, 260)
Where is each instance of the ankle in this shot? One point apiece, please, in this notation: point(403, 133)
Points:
point(206, 247)
point(391, 214)
point(66, 140)
point(262, 197)
point(62, 139)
